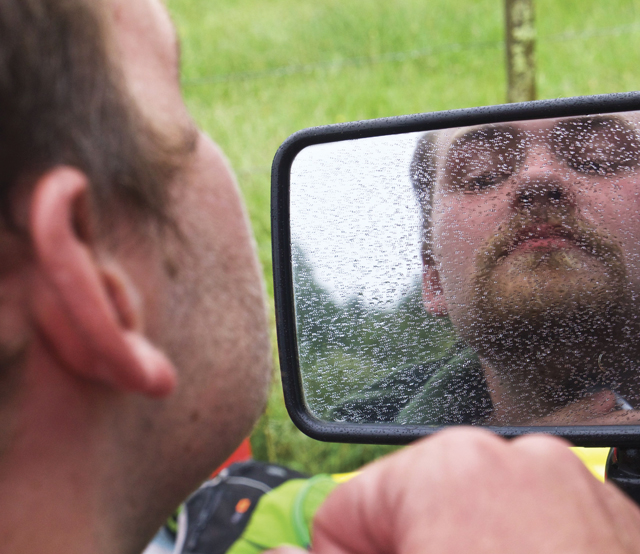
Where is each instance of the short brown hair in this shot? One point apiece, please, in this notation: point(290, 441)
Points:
point(424, 166)
point(62, 101)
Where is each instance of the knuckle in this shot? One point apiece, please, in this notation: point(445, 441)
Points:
point(470, 451)
point(550, 453)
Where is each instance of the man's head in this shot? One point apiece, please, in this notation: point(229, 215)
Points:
point(531, 246)
point(134, 354)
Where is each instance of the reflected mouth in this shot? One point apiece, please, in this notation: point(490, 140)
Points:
point(542, 237)
point(559, 239)
point(553, 286)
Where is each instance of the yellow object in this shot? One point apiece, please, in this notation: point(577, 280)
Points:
point(342, 477)
point(594, 458)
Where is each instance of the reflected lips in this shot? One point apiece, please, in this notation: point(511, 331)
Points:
point(543, 237)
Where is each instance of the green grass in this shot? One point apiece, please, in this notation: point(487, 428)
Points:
point(341, 65)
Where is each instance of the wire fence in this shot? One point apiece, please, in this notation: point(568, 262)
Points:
point(395, 57)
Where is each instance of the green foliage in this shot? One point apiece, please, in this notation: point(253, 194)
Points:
point(256, 71)
point(344, 347)
point(275, 438)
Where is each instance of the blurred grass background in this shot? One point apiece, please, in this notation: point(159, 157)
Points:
point(255, 71)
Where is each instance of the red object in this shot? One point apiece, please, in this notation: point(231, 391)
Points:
point(242, 454)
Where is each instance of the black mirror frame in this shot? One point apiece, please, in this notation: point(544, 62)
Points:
point(618, 435)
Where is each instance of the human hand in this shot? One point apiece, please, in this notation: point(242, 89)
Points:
point(466, 490)
point(599, 408)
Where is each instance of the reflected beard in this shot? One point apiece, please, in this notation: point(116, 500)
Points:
point(541, 317)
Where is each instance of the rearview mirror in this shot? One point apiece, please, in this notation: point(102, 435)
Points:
point(476, 267)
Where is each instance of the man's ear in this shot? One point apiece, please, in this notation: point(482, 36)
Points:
point(432, 294)
point(83, 310)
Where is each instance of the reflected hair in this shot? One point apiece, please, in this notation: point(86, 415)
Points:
point(423, 171)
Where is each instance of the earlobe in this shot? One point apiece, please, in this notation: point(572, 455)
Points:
point(86, 314)
point(432, 294)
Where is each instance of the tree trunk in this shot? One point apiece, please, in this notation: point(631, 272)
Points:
point(520, 39)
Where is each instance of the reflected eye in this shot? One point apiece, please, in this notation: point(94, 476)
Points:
point(596, 146)
point(594, 167)
point(482, 159)
point(482, 182)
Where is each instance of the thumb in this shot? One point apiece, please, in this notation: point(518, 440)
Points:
point(591, 407)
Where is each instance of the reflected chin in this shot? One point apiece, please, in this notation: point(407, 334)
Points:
point(548, 281)
point(536, 285)
point(544, 316)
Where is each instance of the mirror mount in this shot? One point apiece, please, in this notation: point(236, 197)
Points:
point(623, 470)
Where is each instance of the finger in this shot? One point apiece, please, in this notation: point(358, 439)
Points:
point(623, 516)
point(621, 417)
point(584, 410)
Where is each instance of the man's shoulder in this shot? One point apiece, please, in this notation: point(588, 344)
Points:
point(424, 393)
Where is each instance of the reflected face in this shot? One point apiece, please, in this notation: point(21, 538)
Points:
point(536, 235)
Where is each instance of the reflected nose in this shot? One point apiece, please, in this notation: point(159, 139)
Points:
point(542, 185)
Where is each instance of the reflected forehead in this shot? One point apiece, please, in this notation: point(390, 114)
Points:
point(456, 139)
point(463, 135)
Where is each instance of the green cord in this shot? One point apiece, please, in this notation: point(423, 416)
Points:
point(172, 522)
point(299, 524)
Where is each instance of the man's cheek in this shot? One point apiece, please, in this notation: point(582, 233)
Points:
point(456, 244)
point(615, 212)
point(463, 233)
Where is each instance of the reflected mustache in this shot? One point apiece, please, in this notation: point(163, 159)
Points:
point(522, 227)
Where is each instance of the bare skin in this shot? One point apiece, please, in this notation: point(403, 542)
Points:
point(133, 353)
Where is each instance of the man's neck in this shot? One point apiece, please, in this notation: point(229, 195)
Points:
point(51, 473)
point(50, 512)
point(528, 399)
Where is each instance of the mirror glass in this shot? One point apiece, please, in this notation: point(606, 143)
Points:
point(485, 275)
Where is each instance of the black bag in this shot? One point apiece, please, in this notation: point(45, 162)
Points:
point(215, 515)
